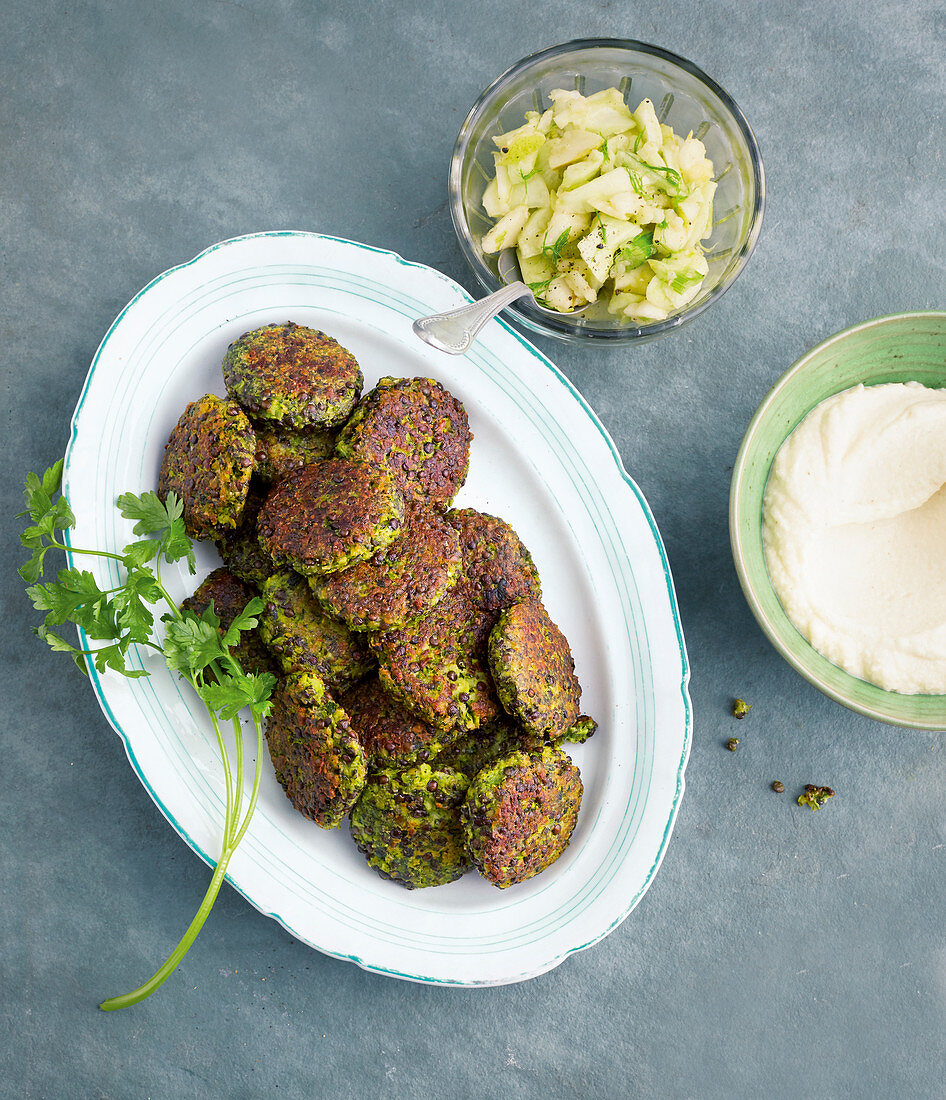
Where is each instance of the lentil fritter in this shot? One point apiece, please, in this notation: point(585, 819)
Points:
point(208, 461)
point(391, 736)
point(437, 667)
point(293, 375)
point(519, 814)
point(229, 596)
point(398, 585)
point(418, 430)
point(497, 569)
point(328, 516)
point(281, 450)
point(316, 755)
point(408, 826)
point(533, 669)
point(304, 639)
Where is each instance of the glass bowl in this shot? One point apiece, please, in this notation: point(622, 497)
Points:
point(903, 347)
point(685, 98)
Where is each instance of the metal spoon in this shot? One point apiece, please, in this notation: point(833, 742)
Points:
point(455, 330)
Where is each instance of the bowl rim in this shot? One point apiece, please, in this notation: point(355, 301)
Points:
point(523, 312)
point(769, 628)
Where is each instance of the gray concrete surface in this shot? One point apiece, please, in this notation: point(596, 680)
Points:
point(779, 953)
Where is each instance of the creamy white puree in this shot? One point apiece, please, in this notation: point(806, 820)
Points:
point(854, 529)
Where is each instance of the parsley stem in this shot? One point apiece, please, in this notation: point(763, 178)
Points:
point(102, 649)
point(257, 777)
point(225, 760)
point(238, 786)
point(161, 975)
point(230, 844)
point(79, 550)
point(168, 598)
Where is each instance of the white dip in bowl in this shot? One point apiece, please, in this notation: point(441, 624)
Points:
point(854, 532)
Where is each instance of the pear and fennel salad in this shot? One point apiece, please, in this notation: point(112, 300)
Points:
point(603, 205)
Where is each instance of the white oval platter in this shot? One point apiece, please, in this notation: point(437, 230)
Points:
point(541, 460)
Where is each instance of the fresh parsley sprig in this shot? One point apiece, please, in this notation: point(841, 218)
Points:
point(194, 646)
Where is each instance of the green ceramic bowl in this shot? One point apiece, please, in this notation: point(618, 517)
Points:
point(900, 348)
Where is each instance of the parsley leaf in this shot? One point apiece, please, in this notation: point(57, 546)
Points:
point(73, 592)
point(138, 554)
point(48, 517)
point(229, 695)
point(246, 620)
point(192, 644)
point(162, 521)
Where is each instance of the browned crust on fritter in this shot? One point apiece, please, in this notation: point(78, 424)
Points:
point(389, 733)
point(208, 461)
point(437, 667)
point(327, 516)
point(519, 815)
point(280, 450)
point(398, 585)
point(533, 669)
point(419, 430)
point(497, 569)
point(315, 753)
point(240, 549)
point(292, 375)
point(303, 638)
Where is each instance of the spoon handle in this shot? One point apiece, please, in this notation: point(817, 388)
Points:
point(455, 331)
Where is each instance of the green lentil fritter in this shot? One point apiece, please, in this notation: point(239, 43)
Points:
point(497, 569)
point(240, 549)
point(281, 450)
point(408, 826)
point(437, 667)
point(419, 430)
point(208, 461)
point(391, 736)
point(315, 752)
point(533, 669)
point(519, 814)
point(398, 585)
point(328, 516)
point(303, 638)
point(293, 375)
point(229, 596)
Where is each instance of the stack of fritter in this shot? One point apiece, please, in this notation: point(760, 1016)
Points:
point(425, 691)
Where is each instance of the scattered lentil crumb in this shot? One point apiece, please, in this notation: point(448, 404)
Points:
point(732, 744)
point(815, 797)
point(740, 708)
point(778, 786)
